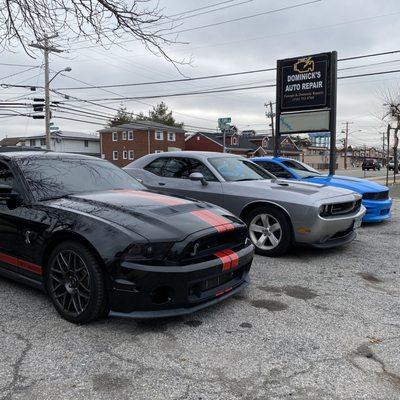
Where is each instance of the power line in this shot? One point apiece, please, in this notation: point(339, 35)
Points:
point(19, 65)
point(18, 73)
point(229, 90)
point(254, 71)
point(223, 22)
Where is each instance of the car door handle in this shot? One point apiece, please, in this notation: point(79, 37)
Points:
point(161, 183)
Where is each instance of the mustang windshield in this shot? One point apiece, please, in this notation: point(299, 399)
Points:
point(57, 177)
point(236, 169)
point(301, 169)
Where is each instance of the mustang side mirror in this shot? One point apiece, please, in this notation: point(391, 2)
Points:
point(12, 199)
point(198, 176)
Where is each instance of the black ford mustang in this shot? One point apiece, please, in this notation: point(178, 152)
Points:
point(98, 242)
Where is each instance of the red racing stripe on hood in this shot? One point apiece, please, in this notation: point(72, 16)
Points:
point(170, 201)
point(220, 223)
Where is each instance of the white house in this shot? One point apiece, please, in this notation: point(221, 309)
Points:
point(68, 142)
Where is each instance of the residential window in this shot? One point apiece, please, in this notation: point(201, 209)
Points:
point(115, 136)
point(115, 155)
point(171, 137)
point(159, 135)
point(234, 141)
point(86, 143)
point(124, 135)
point(158, 151)
point(32, 142)
point(131, 155)
point(125, 154)
point(198, 138)
point(130, 135)
point(43, 142)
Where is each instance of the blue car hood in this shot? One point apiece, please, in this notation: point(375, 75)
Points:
point(348, 182)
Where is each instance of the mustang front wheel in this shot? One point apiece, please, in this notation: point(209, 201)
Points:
point(75, 283)
point(269, 230)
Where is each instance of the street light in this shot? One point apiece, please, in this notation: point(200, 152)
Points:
point(47, 102)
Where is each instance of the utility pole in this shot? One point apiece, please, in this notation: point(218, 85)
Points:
point(43, 44)
point(270, 114)
point(346, 142)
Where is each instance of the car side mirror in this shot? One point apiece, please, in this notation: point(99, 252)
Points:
point(12, 199)
point(198, 176)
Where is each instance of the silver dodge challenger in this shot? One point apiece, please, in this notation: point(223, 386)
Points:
point(279, 213)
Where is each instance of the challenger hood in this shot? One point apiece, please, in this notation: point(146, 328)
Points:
point(347, 182)
point(151, 215)
point(282, 189)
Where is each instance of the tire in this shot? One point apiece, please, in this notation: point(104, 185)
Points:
point(282, 234)
point(75, 283)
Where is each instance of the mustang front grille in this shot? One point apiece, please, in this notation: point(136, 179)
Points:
point(204, 248)
point(376, 196)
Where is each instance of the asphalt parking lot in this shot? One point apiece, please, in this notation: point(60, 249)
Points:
point(313, 325)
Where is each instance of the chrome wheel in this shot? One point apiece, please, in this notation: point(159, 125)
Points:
point(265, 231)
point(70, 282)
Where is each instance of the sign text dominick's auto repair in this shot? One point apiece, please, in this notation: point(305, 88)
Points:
point(304, 83)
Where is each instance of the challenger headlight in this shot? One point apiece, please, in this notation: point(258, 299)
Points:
point(146, 251)
point(325, 210)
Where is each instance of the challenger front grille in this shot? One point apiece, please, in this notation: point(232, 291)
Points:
point(376, 195)
point(335, 209)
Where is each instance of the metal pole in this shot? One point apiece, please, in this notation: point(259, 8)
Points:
point(387, 153)
point(395, 158)
point(345, 145)
point(332, 117)
point(224, 137)
point(47, 92)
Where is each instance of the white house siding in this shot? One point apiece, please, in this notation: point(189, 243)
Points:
point(76, 146)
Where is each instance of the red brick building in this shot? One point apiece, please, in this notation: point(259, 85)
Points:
point(125, 143)
point(246, 144)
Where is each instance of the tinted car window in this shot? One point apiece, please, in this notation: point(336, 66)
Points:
point(57, 177)
point(181, 168)
point(237, 169)
point(156, 166)
point(275, 169)
point(6, 176)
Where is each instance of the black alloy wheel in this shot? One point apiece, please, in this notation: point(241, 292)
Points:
point(75, 283)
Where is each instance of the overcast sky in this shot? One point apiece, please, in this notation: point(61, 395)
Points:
point(352, 28)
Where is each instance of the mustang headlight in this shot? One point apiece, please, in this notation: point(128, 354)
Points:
point(146, 251)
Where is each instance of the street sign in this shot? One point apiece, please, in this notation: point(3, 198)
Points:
point(222, 122)
point(304, 82)
point(316, 121)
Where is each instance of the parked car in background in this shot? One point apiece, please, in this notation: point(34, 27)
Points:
point(369, 163)
point(375, 197)
point(390, 165)
point(97, 241)
point(278, 213)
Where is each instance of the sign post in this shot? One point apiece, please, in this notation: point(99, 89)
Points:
point(222, 124)
point(306, 98)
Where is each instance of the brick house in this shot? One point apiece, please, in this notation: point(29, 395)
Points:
point(247, 144)
point(124, 143)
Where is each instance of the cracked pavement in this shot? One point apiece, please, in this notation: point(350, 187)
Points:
point(313, 325)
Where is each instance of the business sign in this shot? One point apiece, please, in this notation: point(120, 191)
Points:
point(304, 122)
point(222, 122)
point(304, 82)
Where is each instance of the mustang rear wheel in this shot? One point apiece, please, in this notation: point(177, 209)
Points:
point(75, 283)
point(269, 230)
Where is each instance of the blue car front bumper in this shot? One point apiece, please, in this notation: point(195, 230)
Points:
point(377, 210)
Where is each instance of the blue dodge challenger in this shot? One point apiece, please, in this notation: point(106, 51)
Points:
point(375, 196)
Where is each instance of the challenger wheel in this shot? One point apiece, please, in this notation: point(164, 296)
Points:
point(269, 230)
point(75, 283)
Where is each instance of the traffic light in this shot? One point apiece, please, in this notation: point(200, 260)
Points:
point(38, 106)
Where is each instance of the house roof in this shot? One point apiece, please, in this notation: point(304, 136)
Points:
point(67, 135)
point(141, 125)
point(243, 142)
point(10, 141)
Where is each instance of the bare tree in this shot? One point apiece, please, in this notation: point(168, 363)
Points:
point(100, 21)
